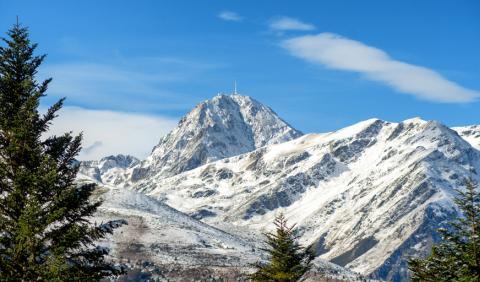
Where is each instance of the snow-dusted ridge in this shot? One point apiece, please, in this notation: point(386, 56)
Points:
point(367, 196)
point(162, 231)
point(164, 241)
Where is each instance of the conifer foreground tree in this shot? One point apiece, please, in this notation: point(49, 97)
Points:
point(45, 232)
point(288, 260)
point(457, 257)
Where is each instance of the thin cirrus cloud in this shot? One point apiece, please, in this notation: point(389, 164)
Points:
point(290, 24)
point(230, 16)
point(142, 84)
point(337, 52)
point(112, 132)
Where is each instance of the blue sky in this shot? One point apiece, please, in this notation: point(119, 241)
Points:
point(321, 65)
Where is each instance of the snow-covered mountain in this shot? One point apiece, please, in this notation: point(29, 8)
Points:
point(470, 133)
point(225, 126)
point(109, 170)
point(367, 196)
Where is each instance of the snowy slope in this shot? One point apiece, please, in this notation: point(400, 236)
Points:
point(367, 196)
point(164, 241)
point(471, 134)
point(225, 126)
point(161, 234)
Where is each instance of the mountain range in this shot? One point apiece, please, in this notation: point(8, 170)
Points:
point(367, 197)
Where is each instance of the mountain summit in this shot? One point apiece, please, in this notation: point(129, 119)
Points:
point(225, 126)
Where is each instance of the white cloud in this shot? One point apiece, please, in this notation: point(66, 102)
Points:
point(230, 16)
point(337, 52)
point(111, 132)
point(286, 23)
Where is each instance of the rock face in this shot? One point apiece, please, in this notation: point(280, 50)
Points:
point(225, 126)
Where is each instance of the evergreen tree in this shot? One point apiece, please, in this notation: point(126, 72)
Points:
point(288, 260)
point(45, 232)
point(457, 257)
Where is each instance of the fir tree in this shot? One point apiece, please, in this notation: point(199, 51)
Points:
point(457, 257)
point(45, 232)
point(288, 260)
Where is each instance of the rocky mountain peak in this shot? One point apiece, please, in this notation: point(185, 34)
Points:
point(117, 161)
point(224, 126)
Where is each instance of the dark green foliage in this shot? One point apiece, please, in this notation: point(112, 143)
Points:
point(288, 260)
point(457, 257)
point(45, 234)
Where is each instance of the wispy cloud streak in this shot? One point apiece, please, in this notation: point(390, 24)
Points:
point(287, 23)
point(139, 84)
point(337, 52)
point(230, 16)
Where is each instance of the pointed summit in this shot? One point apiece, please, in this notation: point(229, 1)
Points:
point(225, 126)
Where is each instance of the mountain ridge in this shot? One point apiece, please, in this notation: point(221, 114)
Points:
point(429, 148)
point(367, 196)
